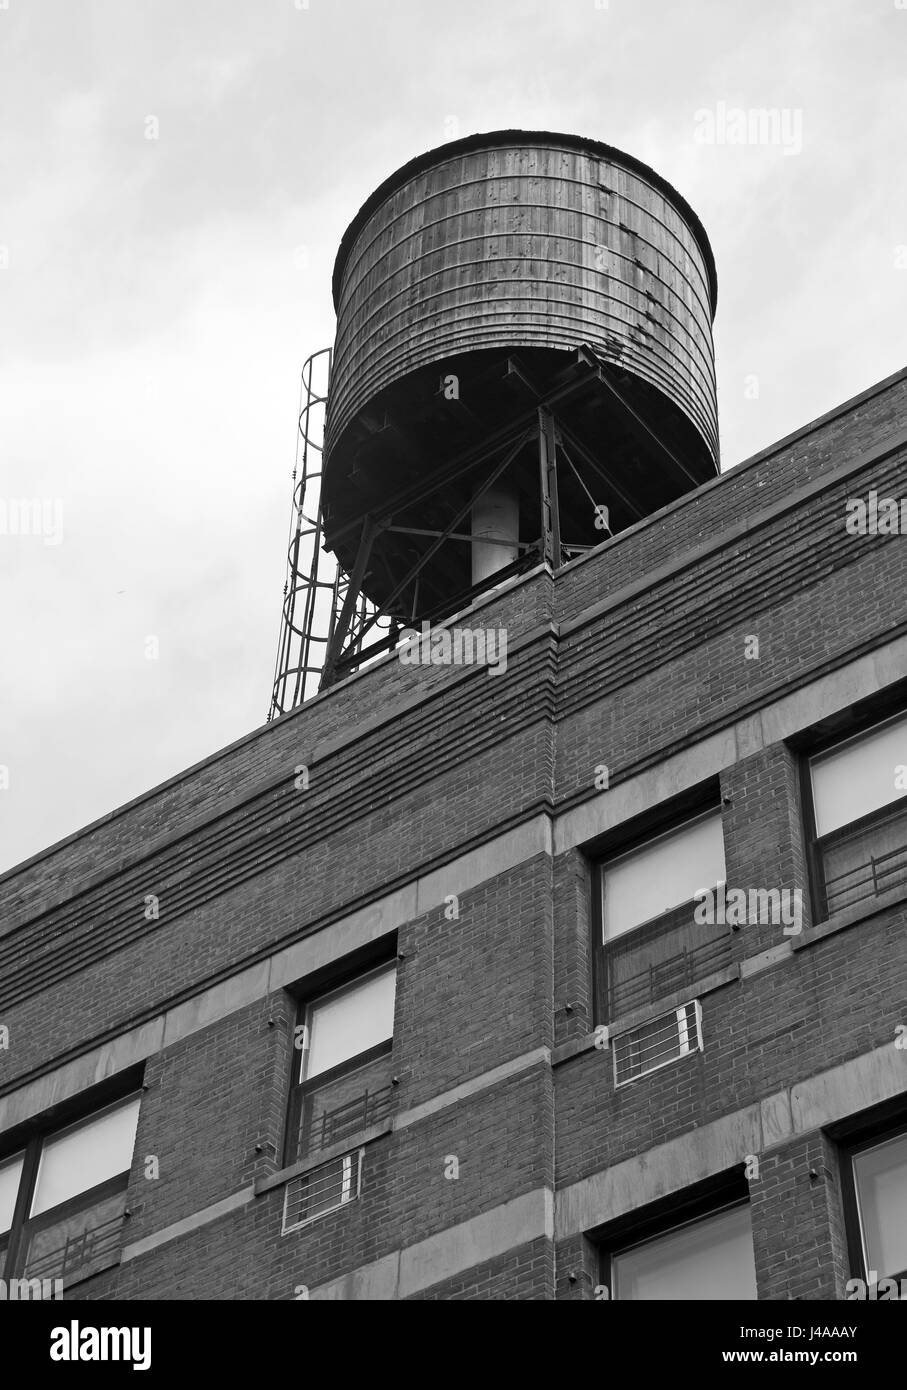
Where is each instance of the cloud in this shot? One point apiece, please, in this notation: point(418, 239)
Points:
point(155, 314)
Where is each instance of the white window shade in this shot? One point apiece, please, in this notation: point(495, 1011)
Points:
point(858, 778)
point(662, 874)
point(85, 1155)
point(351, 1021)
point(709, 1259)
point(881, 1182)
point(10, 1173)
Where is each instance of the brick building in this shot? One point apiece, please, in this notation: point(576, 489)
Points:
point(413, 993)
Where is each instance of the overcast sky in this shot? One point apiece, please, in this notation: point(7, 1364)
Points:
point(155, 311)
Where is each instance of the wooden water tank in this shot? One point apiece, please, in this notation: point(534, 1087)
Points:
point(526, 243)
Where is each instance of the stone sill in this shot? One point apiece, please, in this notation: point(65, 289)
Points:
point(859, 912)
point(305, 1165)
point(696, 990)
point(110, 1263)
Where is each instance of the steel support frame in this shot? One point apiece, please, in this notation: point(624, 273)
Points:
point(371, 528)
point(464, 462)
point(550, 509)
point(640, 427)
point(512, 438)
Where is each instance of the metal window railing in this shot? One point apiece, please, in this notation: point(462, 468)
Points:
point(336, 1125)
point(78, 1251)
point(879, 873)
point(332, 1112)
point(655, 980)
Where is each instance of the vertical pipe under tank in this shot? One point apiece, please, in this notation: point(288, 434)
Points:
point(495, 530)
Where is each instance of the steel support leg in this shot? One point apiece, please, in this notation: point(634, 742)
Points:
point(551, 521)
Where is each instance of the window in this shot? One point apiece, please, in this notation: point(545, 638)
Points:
point(649, 944)
point(859, 808)
point(875, 1204)
point(708, 1258)
point(63, 1195)
point(343, 1078)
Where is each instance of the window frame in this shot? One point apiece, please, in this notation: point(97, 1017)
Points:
point(301, 1085)
point(711, 1197)
point(814, 843)
point(678, 817)
point(871, 1138)
point(23, 1226)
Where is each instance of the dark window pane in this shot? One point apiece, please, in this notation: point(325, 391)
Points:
point(868, 862)
point(654, 961)
point(341, 1108)
point(79, 1243)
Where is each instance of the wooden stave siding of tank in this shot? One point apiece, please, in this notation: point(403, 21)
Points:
point(525, 245)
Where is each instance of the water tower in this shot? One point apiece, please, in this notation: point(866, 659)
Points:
point(523, 366)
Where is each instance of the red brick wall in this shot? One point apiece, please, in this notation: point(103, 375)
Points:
point(798, 1227)
point(411, 767)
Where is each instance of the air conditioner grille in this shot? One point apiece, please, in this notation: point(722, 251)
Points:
point(324, 1189)
point(665, 1039)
